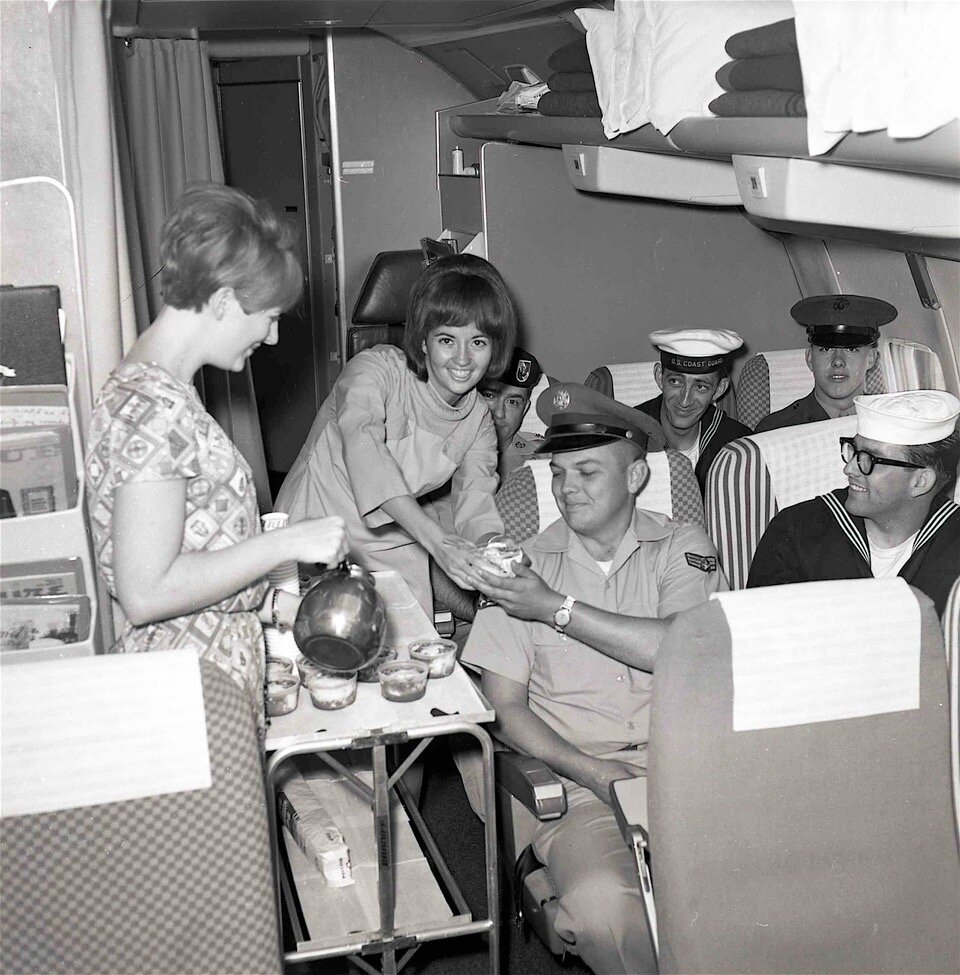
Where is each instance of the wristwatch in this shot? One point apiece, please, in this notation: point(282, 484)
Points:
point(561, 618)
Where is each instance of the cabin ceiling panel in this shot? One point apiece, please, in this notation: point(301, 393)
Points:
point(442, 15)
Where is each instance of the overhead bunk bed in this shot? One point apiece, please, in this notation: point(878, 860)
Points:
point(879, 85)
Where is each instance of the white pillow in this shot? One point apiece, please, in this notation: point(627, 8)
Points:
point(687, 47)
point(601, 28)
point(634, 43)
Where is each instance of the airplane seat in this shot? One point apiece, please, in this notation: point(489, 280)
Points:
point(118, 857)
point(909, 365)
point(381, 309)
point(771, 381)
point(526, 503)
point(755, 477)
point(799, 786)
point(629, 383)
point(951, 632)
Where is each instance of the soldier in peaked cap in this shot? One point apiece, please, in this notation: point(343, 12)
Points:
point(508, 399)
point(896, 516)
point(693, 374)
point(568, 652)
point(843, 331)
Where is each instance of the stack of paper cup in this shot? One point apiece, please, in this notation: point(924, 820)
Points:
point(285, 576)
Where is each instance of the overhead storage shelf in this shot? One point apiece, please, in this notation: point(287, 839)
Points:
point(936, 154)
point(683, 179)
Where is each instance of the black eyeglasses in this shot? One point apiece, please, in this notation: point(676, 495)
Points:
point(865, 460)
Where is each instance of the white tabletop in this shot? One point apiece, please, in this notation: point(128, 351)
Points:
point(455, 696)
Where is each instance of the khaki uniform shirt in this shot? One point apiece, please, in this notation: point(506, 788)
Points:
point(593, 701)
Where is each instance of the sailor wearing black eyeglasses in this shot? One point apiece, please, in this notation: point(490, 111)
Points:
point(895, 517)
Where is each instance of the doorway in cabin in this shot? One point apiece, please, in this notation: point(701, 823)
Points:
point(275, 148)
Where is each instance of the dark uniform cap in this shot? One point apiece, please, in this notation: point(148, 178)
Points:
point(842, 321)
point(578, 417)
point(523, 370)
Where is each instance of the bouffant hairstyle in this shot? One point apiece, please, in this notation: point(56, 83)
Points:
point(219, 237)
point(453, 292)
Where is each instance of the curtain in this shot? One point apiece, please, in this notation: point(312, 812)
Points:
point(105, 326)
point(169, 139)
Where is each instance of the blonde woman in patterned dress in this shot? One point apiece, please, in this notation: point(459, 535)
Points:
point(172, 502)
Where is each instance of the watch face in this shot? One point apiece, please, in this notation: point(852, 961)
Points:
point(562, 616)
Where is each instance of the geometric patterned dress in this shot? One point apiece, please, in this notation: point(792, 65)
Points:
point(149, 426)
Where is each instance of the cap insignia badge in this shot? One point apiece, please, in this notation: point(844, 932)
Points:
point(840, 304)
point(561, 399)
point(523, 370)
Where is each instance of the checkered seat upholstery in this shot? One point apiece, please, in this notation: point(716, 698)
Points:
point(527, 506)
point(626, 382)
point(757, 476)
point(771, 381)
point(820, 844)
point(176, 883)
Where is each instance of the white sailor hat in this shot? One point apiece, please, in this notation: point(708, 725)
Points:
point(917, 417)
point(695, 350)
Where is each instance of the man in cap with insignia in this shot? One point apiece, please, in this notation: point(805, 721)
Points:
point(508, 399)
point(693, 374)
point(896, 516)
point(842, 331)
point(568, 652)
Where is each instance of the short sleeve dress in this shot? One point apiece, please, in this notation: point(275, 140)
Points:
point(147, 425)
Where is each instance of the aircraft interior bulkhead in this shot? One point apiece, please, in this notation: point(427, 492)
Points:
point(480, 486)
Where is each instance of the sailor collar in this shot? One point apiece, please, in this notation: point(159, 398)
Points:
point(855, 529)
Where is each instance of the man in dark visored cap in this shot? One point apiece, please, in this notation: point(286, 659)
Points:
point(568, 653)
point(508, 399)
point(843, 331)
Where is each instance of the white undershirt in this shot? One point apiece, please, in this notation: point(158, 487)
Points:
point(604, 566)
point(887, 562)
point(693, 453)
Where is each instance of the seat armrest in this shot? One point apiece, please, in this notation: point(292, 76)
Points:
point(532, 784)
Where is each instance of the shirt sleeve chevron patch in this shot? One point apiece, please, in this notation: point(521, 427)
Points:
point(705, 563)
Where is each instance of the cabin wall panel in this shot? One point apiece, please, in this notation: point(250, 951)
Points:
point(866, 270)
point(28, 107)
point(594, 275)
point(387, 97)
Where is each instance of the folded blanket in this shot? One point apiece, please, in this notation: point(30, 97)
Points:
point(570, 57)
point(758, 42)
point(576, 81)
point(779, 72)
point(757, 104)
point(580, 104)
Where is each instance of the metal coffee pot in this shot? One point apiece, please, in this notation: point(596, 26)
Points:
point(342, 620)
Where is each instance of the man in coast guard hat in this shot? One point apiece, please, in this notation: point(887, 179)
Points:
point(842, 331)
point(896, 516)
point(568, 652)
point(693, 374)
point(508, 399)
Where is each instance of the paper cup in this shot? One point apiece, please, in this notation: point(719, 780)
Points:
point(273, 520)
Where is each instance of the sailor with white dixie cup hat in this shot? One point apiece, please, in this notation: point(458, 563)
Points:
point(896, 517)
point(693, 374)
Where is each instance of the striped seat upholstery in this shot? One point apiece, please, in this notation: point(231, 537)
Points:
point(755, 477)
point(629, 383)
point(951, 632)
point(526, 503)
point(771, 381)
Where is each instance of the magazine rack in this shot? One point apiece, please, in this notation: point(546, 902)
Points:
point(40, 545)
